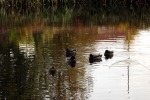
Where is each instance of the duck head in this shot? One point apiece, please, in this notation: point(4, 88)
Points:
point(91, 56)
point(67, 50)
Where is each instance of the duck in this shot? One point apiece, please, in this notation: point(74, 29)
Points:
point(108, 54)
point(71, 61)
point(52, 71)
point(95, 58)
point(70, 52)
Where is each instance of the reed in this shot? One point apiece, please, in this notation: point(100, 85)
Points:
point(70, 11)
point(48, 3)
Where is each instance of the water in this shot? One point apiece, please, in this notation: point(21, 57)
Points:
point(29, 50)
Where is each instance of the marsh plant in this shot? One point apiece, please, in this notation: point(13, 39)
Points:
point(62, 12)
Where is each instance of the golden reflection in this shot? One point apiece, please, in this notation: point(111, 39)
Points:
point(103, 32)
point(28, 49)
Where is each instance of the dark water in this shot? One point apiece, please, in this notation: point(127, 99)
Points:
point(29, 48)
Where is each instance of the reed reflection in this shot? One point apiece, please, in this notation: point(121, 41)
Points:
point(29, 50)
point(37, 51)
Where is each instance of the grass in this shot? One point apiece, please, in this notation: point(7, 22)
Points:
point(20, 12)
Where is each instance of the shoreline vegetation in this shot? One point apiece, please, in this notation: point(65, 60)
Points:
point(27, 4)
point(62, 12)
point(37, 3)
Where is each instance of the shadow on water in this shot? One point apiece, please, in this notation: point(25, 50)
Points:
point(33, 41)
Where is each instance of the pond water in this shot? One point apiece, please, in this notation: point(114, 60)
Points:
point(29, 50)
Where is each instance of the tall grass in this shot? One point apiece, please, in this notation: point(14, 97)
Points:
point(71, 11)
point(48, 3)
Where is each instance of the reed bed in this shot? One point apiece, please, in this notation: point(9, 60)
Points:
point(69, 11)
point(48, 3)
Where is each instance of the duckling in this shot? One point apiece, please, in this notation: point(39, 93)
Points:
point(52, 71)
point(71, 61)
point(108, 54)
point(95, 58)
point(70, 52)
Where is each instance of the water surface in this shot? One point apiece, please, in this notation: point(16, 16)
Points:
point(30, 48)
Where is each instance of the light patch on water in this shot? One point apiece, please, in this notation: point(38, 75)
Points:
point(126, 75)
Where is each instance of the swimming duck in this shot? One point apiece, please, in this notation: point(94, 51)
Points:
point(52, 71)
point(70, 52)
point(108, 54)
point(71, 61)
point(95, 58)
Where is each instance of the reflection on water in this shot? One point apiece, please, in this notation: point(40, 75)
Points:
point(29, 50)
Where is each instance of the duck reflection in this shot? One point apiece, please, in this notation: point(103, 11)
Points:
point(71, 61)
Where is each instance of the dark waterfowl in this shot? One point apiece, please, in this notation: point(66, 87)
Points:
point(70, 52)
point(95, 58)
point(108, 54)
point(71, 61)
point(52, 71)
